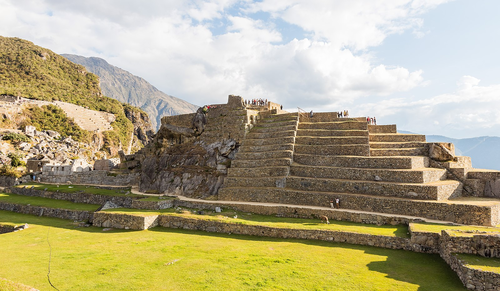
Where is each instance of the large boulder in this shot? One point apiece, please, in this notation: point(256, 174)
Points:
point(442, 151)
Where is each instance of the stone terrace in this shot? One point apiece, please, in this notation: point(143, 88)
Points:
point(297, 160)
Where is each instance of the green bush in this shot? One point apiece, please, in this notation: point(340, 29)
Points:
point(16, 160)
point(7, 170)
point(16, 137)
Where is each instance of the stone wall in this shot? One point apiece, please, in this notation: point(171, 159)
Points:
point(124, 221)
point(474, 279)
point(7, 181)
point(458, 213)
point(77, 197)
point(47, 211)
point(94, 178)
point(292, 212)
point(152, 205)
point(476, 244)
point(265, 231)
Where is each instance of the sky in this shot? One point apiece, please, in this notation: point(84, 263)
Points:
point(429, 66)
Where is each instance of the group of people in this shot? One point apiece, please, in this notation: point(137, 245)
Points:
point(371, 120)
point(344, 113)
point(337, 203)
point(256, 102)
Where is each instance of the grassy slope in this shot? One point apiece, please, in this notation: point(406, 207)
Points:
point(35, 72)
point(437, 228)
point(79, 188)
point(163, 259)
point(481, 263)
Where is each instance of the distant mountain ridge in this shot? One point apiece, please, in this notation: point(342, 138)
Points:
point(484, 150)
point(125, 87)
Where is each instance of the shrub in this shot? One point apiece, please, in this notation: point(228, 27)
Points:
point(16, 160)
point(7, 170)
point(16, 137)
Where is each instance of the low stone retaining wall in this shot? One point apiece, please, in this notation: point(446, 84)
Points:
point(76, 197)
point(94, 178)
point(257, 230)
point(47, 211)
point(292, 212)
point(152, 205)
point(7, 181)
point(124, 221)
point(474, 279)
point(480, 244)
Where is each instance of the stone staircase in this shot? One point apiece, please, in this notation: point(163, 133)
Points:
point(368, 167)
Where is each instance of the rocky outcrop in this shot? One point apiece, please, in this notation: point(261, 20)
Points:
point(194, 170)
point(442, 151)
point(143, 128)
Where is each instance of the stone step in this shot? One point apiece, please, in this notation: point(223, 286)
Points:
point(280, 117)
point(457, 211)
point(277, 123)
point(268, 141)
point(328, 117)
point(422, 175)
point(440, 190)
point(420, 151)
point(258, 171)
point(408, 162)
point(274, 129)
point(391, 128)
point(253, 181)
point(389, 145)
point(257, 135)
point(424, 191)
point(396, 137)
point(330, 150)
point(345, 125)
point(264, 155)
point(335, 140)
point(261, 163)
point(326, 132)
point(266, 148)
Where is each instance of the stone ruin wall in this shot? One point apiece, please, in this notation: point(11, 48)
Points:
point(195, 165)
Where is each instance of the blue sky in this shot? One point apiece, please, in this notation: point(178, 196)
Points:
point(430, 66)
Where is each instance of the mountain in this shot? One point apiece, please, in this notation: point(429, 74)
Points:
point(125, 87)
point(484, 150)
point(34, 72)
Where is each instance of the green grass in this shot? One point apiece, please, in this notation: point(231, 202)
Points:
point(437, 228)
point(165, 259)
point(227, 216)
point(46, 202)
point(80, 188)
point(480, 263)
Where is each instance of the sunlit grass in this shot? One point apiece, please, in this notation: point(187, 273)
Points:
point(480, 263)
point(455, 229)
point(165, 259)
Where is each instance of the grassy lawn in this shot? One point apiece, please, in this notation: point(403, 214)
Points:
point(437, 228)
point(46, 202)
point(80, 188)
point(165, 259)
point(227, 216)
point(481, 263)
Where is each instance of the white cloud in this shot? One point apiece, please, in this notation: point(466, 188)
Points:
point(171, 44)
point(471, 110)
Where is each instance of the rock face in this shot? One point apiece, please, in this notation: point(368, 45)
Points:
point(143, 128)
point(442, 151)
